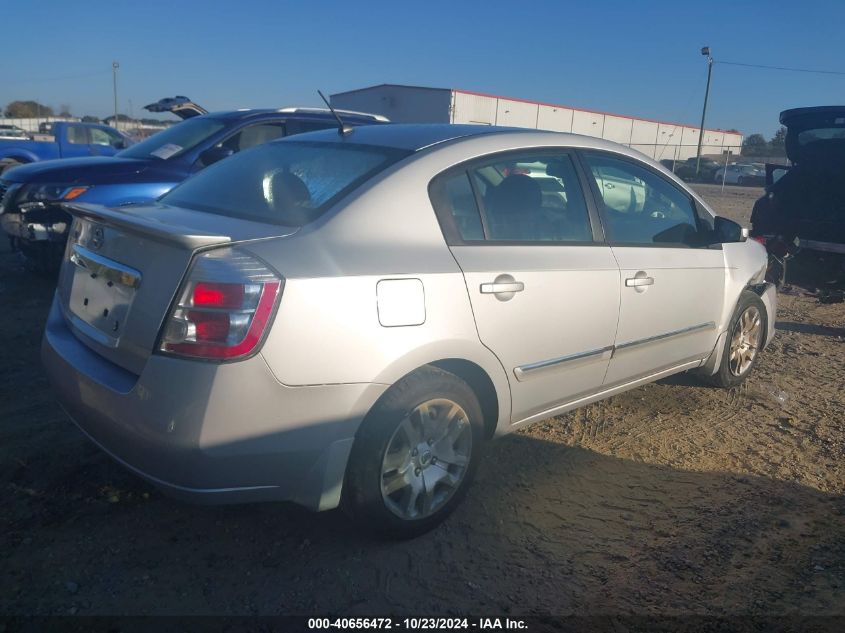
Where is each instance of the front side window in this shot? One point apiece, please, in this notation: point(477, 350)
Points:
point(285, 183)
point(518, 198)
point(104, 137)
point(640, 207)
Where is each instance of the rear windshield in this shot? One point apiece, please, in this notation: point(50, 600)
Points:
point(289, 183)
point(821, 134)
point(176, 140)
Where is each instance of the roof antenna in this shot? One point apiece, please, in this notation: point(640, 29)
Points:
point(342, 128)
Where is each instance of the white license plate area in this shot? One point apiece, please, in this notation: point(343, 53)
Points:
point(101, 294)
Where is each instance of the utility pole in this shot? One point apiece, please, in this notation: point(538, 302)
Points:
point(114, 67)
point(704, 51)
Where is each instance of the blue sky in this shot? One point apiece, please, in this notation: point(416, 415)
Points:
point(635, 58)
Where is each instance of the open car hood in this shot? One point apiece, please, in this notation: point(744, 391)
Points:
point(181, 106)
point(802, 144)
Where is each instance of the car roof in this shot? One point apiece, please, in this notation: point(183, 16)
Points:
point(410, 136)
point(301, 114)
point(414, 137)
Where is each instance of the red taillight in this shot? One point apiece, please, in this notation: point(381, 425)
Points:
point(218, 295)
point(222, 320)
point(760, 238)
point(210, 326)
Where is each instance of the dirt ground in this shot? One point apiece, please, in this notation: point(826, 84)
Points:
point(674, 498)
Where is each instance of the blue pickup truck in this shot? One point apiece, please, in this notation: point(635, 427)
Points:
point(31, 196)
point(71, 140)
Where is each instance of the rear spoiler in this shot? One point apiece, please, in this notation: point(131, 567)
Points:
point(148, 226)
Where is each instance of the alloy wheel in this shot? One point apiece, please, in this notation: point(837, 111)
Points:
point(745, 341)
point(426, 459)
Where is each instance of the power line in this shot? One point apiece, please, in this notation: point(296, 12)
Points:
point(794, 70)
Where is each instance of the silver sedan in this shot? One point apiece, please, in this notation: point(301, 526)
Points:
point(346, 318)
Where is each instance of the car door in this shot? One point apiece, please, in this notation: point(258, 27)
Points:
point(673, 280)
point(544, 288)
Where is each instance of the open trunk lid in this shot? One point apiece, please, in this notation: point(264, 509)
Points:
point(123, 267)
point(812, 131)
point(181, 106)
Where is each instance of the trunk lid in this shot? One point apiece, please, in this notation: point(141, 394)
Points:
point(123, 267)
point(812, 133)
point(181, 106)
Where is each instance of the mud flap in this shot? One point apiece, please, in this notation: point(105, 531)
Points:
point(711, 365)
point(322, 487)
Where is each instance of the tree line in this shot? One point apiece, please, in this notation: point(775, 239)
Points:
point(35, 110)
point(757, 145)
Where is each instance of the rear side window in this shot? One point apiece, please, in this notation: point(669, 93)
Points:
point(461, 203)
point(286, 183)
point(77, 135)
point(299, 127)
point(516, 198)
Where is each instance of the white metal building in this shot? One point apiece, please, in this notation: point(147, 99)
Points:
point(418, 104)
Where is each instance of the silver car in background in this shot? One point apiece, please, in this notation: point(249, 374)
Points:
point(344, 319)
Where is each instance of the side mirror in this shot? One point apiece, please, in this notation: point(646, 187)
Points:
point(726, 231)
point(214, 154)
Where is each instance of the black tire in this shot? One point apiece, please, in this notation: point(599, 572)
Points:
point(740, 181)
point(730, 373)
point(363, 499)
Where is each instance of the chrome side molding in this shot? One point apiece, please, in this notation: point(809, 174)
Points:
point(710, 325)
point(526, 371)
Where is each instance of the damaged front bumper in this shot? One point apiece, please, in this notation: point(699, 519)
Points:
point(36, 222)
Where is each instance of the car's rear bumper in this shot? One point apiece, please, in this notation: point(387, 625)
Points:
point(208, 432)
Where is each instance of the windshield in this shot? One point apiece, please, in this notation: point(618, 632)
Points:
point(176, 140)
point(287, 183)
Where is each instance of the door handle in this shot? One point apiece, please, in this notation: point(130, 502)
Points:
point(639, 281)
point(496, 288)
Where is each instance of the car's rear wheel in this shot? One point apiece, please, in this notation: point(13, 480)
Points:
point(415, 455)
point(7, 164)
point(740, 181)
point(746, 336)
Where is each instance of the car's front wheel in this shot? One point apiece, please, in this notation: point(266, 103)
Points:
point(414, 455)
point(745, 340)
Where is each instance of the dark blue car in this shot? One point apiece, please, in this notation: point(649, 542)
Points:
point(31, 195)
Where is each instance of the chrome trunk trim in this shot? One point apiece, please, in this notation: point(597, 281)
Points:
point(101, 266)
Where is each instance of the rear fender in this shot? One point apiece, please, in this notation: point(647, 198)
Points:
point(457, 350)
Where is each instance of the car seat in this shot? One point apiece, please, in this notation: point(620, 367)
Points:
point(514, 209)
